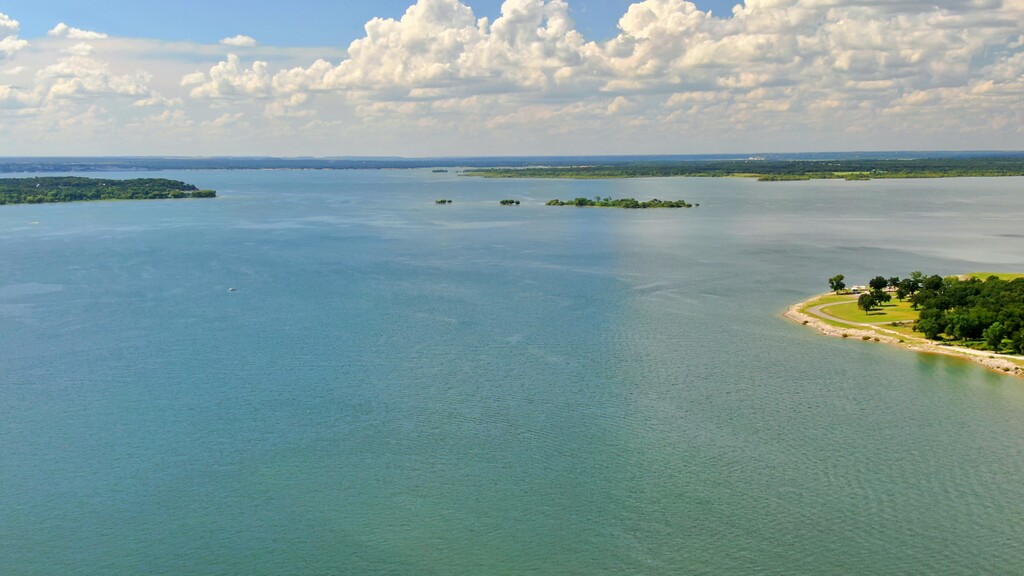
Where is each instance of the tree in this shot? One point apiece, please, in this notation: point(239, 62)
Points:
point(836, 283)
point(911, 285)
point(1017, 342)
point(866, 302)
point(907, 287)
point(878, 283)
point(894, 282)
point(929, 327)
point(933, 282)
point(931, 323)
point(880, 296)
point(994, 335)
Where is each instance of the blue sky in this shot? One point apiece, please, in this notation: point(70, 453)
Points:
point(429, 78)
point(293, 23)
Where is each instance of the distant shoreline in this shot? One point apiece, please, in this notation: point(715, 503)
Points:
point(789, 165)
point(1001, 363)
point(851, 169)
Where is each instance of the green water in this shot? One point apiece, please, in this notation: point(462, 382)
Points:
point(398, 387)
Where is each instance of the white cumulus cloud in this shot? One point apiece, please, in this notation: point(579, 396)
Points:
point(79, 73)
point(9, 41)
point(230, 79)
point(62, 30)
point(240, 40)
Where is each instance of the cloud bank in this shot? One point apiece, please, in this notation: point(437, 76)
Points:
point(773, 75)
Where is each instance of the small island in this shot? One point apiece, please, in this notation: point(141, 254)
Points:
point(978, 317)
point(621, 203)
point(77, 189)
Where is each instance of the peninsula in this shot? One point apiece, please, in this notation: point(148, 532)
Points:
point(977, 317)
point(76, 189)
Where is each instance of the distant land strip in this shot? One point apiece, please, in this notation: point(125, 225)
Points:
point(76, 189)
point(778, 170)
point(653, 165)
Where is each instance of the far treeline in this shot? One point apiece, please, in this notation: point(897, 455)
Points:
point(778, 170)
point(75, 189)
point(621, 203)
point(985, 314)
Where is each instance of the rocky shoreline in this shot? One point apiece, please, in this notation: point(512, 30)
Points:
point(998, 363)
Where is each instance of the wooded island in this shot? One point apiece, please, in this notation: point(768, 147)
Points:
point(621, 203)
point(77, 189)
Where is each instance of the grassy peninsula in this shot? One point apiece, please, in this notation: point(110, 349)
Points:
point(979, 317)
point(777, 170)
point(76, 189)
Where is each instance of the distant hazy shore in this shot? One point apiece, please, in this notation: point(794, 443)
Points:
point(848, 165)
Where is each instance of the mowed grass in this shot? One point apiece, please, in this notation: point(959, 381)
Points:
point(894, 311)
point(829, 299)
point(826, 299)
point(1001, 275)
point(906, 330)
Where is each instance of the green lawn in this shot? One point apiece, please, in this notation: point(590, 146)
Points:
point(906, 331)
point(830, 299)
point(894, 311)
point(827, 299)
point(1001, 275)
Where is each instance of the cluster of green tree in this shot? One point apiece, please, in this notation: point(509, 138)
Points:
point(991, 311)
point(769, 170)
point(74, 189)
point(442, 201)
point(622, 203)
point(986, 314)
point(509, 202)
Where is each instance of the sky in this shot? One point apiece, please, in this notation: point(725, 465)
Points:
point(277, 23)
point(512, 77)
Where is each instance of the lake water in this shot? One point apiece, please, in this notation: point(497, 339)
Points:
point(398, 387)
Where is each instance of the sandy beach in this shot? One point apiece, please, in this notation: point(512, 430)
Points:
point(1002, 363)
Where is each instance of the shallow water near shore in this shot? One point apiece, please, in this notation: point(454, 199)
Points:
point(399, 387)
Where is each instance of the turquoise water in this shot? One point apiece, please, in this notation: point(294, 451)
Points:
point(398, 387)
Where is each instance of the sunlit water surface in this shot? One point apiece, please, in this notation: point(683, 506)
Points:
point(398, 387)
